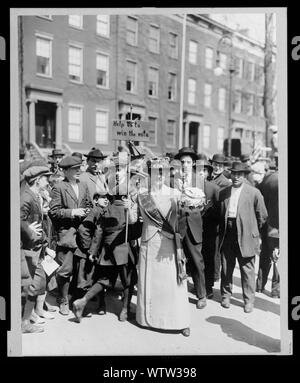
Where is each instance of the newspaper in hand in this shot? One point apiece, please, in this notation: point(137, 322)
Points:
point(49, 265)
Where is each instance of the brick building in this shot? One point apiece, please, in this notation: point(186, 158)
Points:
point(77, 73)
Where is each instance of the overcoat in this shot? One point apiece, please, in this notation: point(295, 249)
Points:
point(63, 201)
point(250, 218)
point(221, 181)
point(95, 182)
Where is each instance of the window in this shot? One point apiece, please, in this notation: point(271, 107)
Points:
point(102, 66)
point(154, 39)
point(207, 95)
point(259, 74)
point(206, 136)
point(220, 139)
point(75, 21)
point(101, 126)
point(223, 61)
point(260, 106)
point(193, 48)
point(103, 25)
point(153, 82)
point(250, 71)
point(44, 56)
point(170, 134)
point(222, 97)
point(75, 63)
point(209, 53)
point(152, 131)
point(131, 76)
point(173, 45)
point(244, 103)
point(250, 107)
point(238, 101)
point(172, 85)
point(75, 123)
point(191, 91)
point(239, 66)
point(131, 32)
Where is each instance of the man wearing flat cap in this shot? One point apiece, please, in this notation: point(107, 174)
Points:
point(54, 159)
point(69, 205)
point(33, 242)
point(243, 214)
point(93, 176)
point(190, 224)
point(218, 161)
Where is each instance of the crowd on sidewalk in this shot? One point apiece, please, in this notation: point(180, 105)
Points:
point(87, 220)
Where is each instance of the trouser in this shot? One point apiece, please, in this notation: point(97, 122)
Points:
point(64, 257)
point(230, 251)
point(265, 264)
point(195, 263)
point(208, 251)
point(217, 259)
point(82, 279)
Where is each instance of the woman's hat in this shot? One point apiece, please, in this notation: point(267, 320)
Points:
point(95, 153)
point(186, 152)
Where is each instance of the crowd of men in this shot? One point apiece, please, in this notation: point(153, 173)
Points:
point(76, 209)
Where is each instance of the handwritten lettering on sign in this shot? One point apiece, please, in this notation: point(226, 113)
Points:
point(129, 130)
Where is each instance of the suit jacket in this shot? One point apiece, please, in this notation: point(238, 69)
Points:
point(251, 216)
point(221, 181)
point(63, 201)
point(30, 211)
point(211, 211)
point(95, 183)
point(269, 189)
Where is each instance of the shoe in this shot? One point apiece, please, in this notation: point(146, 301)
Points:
point(201, 303)
point(49, 308)
point(248, 308)
point(45, 315)
point(29, 328)
point(78, 307)
point(209, 294)
point(186, 331)
point(102, 310)
point(225, 303)
point(86, 313)
point(123, 315)
point(275, 295)
point(36, 318)
point(64, 308)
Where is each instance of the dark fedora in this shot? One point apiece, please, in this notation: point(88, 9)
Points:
point(77, 154)
point(186, 151)
point(245, 157)
point(57, 153)
point(95, 153)
point(219, 158)
point(238, 166)
point(70, 162)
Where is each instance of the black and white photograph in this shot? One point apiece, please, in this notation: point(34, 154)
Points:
point(149, 197)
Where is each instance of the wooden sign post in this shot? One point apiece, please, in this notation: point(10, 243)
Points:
point(130, 130)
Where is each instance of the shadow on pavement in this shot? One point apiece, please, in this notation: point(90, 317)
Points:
point(263, 304)
point(238, 331)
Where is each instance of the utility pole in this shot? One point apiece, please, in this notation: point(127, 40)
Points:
point(269, 71)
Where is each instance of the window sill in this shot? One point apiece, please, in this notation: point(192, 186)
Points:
point(132, 45)
point(103, 87)
point(74, 27)
point(102, 143)
point(173, 101)
point(76, 82)
point(153, 97)
point(44, 75)
point(76, 141)
point(155, 52)
point(130, 92)
point(102, 36)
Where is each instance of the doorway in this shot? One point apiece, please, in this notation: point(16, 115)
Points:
point(193, 135)
point(45, 115)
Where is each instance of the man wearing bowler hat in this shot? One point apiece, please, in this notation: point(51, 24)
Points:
point(69, 205)
point(190, 225)
point(245, 159)
point(218, 161)
point(243, 214)
point(93, 176)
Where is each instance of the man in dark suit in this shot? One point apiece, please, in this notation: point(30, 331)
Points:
point(69, 205)
point(218, 162)
point(190, 225)
point(270, 237)
point(210, 216)
point(243, 214)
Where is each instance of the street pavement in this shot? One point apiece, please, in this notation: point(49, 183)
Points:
point(214, 330)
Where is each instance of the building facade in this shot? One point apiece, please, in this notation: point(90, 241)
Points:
point(78, 73)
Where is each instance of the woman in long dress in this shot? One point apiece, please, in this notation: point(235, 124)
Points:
point(162, 295)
